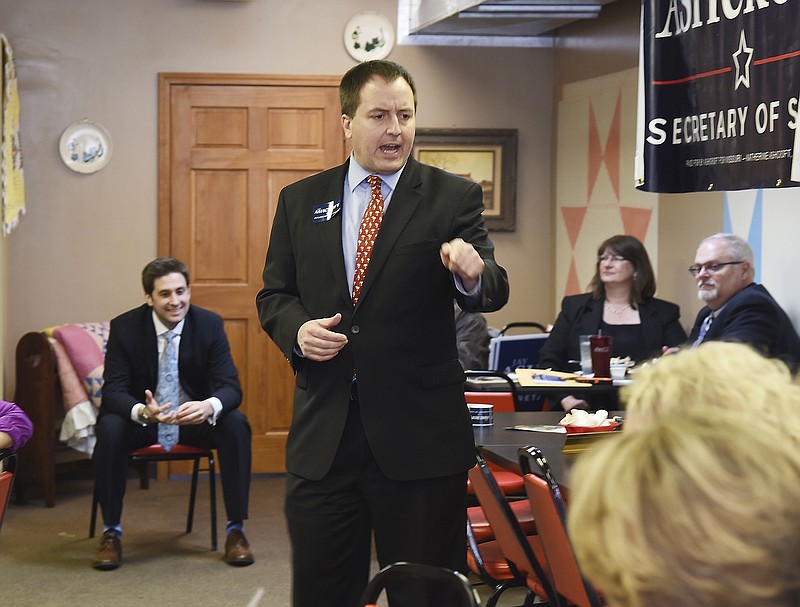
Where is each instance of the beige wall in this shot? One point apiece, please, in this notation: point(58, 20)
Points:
point(78, 251)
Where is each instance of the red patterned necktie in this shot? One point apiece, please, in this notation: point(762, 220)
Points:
point(370, 224)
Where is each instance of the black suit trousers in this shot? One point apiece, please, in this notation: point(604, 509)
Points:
point(331, 522)
point(117, 437)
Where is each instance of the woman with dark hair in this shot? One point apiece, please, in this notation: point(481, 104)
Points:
point(620, 304)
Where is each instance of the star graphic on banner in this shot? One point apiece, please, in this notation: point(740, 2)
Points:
point(744, 54)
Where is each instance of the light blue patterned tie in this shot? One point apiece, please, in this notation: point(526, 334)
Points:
point(168, 390)
point(703, 330)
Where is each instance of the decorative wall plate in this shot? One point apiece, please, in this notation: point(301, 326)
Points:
point(368, 35)
point(85, 146)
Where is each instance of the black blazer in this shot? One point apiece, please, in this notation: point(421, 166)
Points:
point(582, 315)
point(401, 333)
point(754, 317)
point(205, 365)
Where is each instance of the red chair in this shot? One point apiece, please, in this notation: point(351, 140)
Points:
point(156, 453)
point(484, 556)
point(8, 466)
point(523, 554)
point(502, 399)
point(397, 573)
point(550, 511)
point(505, 401)
point(481, 528)
point(486, 560)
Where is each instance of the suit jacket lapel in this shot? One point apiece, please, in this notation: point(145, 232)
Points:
point(186, 347)
point(591, 318)
point(150, 344)
point(330, 232)
point(405, 200)
point(651, 331)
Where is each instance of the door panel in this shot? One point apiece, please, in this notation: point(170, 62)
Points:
point(227, 145)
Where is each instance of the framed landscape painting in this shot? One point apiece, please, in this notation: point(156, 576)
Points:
point(485, 156)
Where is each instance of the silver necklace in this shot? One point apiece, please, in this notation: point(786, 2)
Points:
point(617, 311)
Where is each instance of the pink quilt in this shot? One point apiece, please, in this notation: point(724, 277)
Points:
point(80, 356)
point(85, 345)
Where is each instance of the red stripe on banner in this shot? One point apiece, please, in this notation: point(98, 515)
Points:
point(694, 77)
point(725, 69)
point(777, 58)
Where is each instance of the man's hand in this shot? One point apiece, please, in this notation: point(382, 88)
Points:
point(570, 402)
point(193, 412)
point(316, 340)
point(155, 412)
point(461, 258)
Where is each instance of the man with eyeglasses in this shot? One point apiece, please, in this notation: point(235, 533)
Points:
point(738, 309)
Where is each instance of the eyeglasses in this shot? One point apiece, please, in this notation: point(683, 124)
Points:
point(711, 267)
point(612, 258)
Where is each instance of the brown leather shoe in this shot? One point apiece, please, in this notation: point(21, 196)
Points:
point(237, 550)
point(109, 556)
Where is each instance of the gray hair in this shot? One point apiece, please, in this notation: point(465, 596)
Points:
point(738, 247)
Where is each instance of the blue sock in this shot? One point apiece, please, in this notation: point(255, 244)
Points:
point(115, 528)
point(234, 525)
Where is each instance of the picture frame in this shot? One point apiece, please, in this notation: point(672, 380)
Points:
point(486, 156)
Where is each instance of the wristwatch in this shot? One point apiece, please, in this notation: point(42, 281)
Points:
point(143, 417)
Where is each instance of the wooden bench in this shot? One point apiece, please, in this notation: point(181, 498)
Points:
point(38, 393)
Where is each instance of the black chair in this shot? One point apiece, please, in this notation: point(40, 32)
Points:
point(156, 453)
point(399, 572)
point(527, 325)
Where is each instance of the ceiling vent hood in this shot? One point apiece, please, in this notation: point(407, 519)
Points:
point(489, 22)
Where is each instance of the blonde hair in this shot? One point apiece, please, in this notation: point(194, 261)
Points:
point(693, 509)
point(715, 376)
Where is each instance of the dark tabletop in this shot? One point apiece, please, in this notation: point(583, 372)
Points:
point(500, 445)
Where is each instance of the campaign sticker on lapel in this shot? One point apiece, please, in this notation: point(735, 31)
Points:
point(324, 212)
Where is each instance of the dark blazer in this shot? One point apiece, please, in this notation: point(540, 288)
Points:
point(205, 365)
point(401, 333)
point(752, 316)
point(582, 315)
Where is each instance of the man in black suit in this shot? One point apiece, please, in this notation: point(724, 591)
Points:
point(380, 439)
point(207, 414)
point(737, 309)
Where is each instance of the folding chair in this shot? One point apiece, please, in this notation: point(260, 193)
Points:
point(527, 325)
point(550, 512)
point(397, 573)
point(503, 400)
point(523, 553)
point(156, 453)
point(482, 530)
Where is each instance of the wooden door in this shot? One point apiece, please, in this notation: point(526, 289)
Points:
point(227, 145)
